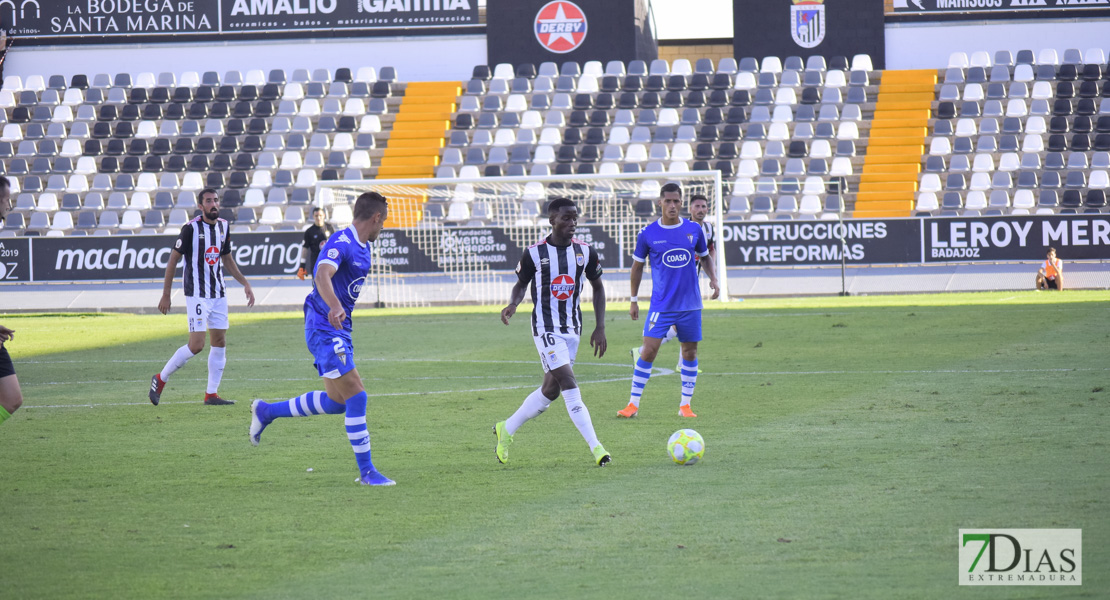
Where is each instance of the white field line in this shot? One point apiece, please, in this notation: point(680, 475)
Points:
point(657, 371)
point(424, 393)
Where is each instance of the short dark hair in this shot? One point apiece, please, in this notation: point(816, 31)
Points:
point(670, 187)
point(554, 206)
point(696, 197)
point(369, 204)
point(319, 209)
point(200, 196)
point(4, 182)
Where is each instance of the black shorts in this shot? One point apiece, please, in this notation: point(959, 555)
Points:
point(6, 366)
point(1051, 284)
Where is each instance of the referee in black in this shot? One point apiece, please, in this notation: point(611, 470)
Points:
point(314, 238)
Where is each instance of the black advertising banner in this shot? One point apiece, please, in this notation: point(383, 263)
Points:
point(536, 31)
point(145, 256)
point(37, 22)
point(1078, 237)
point(15, 260)
point(453, 249)
point(396, 250)
point(790, 243)
point(997, 9)
point(809, 28)
point(608, 251)
point(460, 247)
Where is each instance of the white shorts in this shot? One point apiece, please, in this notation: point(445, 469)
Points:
point(556, 349)
point(206, 313)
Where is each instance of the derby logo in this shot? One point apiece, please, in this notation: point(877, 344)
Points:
point(560, 26)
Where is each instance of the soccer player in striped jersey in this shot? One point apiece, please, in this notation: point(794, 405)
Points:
point(339, 275)
point(205, 244)
point(554, 270)
point(674, 246)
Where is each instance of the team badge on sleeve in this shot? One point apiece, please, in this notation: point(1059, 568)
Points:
point(333, 253)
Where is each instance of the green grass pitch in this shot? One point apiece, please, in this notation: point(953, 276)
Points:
point(848, 439)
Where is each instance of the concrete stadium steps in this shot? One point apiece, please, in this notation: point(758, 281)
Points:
point(415, 142)
point(899, 128)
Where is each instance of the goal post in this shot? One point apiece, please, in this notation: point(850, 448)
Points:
point(457, 240)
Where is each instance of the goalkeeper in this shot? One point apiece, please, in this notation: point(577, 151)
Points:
point(314, 238)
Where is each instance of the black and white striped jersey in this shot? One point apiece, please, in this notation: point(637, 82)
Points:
point(203, 245)
point(556, 277)
point(710, 239)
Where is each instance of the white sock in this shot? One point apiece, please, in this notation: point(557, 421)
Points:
point(217, 358)
point(533, 406)
point(689, 376)
point(580, 415)
point(177, 361)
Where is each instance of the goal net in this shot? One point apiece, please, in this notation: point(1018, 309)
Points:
point(458, 240)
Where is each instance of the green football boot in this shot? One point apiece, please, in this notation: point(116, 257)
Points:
point(503, 441)
point(601, 456)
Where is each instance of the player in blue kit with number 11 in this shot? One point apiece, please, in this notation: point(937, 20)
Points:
point(339, 274)
point(674, 246)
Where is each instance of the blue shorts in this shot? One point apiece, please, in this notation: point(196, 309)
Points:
point(332, 351)
point(686, 322)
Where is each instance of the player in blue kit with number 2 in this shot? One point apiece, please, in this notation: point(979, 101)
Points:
point(673, 245)
point(339, 274)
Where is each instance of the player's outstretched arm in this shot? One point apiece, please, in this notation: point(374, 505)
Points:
point(515, 298)
point(229, 264)
point(167, 282)
point(635, 275)
point(597, 338)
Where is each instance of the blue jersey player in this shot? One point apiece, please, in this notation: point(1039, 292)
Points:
point(339, 274)
point(673, 245)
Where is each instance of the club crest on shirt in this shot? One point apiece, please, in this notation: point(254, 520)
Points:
point(580, 259)
point(690, 237)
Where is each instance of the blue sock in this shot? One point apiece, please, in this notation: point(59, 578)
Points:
point(640, 376)
point(689, 380)
point(357, 432)
point(312, 403)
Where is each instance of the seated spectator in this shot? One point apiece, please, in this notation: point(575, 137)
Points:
point(1051, 274)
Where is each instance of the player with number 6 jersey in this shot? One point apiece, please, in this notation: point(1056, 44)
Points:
point(339, 276)
point(205, 245)
point(555, 271)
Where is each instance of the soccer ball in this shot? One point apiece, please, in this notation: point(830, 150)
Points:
point(686, 447)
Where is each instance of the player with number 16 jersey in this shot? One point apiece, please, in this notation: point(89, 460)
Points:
point(554, 270)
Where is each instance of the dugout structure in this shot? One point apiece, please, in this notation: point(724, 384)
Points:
point(458, 240)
